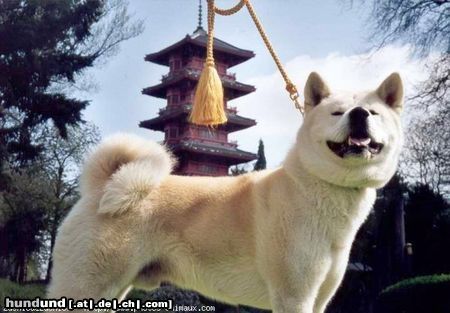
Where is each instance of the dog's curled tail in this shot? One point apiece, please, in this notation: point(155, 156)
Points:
point(122, 170)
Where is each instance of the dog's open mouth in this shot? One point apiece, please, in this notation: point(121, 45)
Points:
point(355, 146)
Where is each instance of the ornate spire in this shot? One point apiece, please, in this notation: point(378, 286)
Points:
point(199, 15)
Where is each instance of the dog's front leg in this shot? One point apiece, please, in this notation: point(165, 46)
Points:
point(294, 285)
point(288, 303)
point(332, 281)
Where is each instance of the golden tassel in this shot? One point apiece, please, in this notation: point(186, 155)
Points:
point(208, 108)
point(208, 102)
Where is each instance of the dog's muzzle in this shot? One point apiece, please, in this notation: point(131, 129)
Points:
point(359, 142)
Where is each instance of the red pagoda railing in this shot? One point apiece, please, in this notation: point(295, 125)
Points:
point(208, 141)
point(186, 105)
point(231, 77)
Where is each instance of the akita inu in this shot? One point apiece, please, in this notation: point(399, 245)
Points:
point(276, 239)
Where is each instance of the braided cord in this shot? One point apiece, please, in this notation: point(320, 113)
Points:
point(290, 87)
point(209, 47)
point(230, 11)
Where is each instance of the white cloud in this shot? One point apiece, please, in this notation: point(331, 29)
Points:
point(277, 118)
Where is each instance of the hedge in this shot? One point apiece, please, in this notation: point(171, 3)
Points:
point(420, 294)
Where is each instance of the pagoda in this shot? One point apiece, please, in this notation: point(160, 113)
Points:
point(200, 150)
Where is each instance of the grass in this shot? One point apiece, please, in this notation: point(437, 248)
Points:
point(16, 291)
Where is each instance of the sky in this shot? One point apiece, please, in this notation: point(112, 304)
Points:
point(328, 36)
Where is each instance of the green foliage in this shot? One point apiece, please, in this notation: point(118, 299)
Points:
point(39, 42)
point(417, 281)
point(14, 290)
point(46, 45)
point(261, 163)
point(22, 217)
point(39, 197)
point(238, 170)
point(418, 295)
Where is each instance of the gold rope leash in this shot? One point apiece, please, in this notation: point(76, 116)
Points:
point(290, 87)
point(207, 104)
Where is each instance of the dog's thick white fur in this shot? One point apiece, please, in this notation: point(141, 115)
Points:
point(276, 239)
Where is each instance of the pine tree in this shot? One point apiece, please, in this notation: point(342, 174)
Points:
point(43, 44)
point(261, 163)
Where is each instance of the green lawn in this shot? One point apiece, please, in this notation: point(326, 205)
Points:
point(13, 290)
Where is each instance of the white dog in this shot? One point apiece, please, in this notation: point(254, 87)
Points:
point(276, 239)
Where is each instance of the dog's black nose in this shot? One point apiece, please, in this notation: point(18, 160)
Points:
point(358, 114)
point(358, 123)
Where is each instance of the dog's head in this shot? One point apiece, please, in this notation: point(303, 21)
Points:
point(352, 139)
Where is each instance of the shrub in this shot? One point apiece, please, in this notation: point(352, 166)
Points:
point(417, 295)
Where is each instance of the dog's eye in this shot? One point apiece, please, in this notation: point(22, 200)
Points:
point(337, 113)
point(373, 112)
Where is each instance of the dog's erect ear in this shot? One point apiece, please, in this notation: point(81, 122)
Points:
point(391, 91)
point(315, 90)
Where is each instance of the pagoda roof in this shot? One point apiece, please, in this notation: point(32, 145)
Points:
point(235, 122)
point(232, 155)
point(199, 38)
point(232, 88)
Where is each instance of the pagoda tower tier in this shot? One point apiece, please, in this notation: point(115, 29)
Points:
point(195, 46)
point(181, 113)
point(187, 78)
point(200, 150)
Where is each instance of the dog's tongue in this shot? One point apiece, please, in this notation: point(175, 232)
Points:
point(358, 141)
